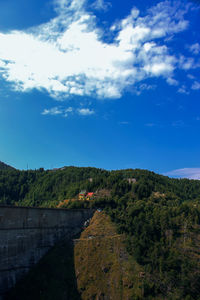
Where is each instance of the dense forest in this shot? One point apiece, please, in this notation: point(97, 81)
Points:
point(42, 188)
point(159, 216)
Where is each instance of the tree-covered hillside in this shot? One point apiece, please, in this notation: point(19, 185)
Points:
point(3, 166)
point(159, 216)
point(48, 188)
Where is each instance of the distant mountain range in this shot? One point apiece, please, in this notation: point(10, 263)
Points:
point(4, 166)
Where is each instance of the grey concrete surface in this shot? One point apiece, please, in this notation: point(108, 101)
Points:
point(26, 234)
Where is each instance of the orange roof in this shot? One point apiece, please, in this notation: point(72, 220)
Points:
point(90, 194)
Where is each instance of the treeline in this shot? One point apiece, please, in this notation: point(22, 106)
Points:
point(4, 166)
point(47, 188)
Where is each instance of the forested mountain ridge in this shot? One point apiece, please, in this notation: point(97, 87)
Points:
point(4, 166)
point(159, 216)
point(48, 188)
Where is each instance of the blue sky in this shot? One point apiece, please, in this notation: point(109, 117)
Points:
point(109, 84)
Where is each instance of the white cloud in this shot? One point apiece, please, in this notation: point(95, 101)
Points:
point(196, 85)
point(59, 110)
point(187, 63)
point(101, 5)
point(183, 90)
point(85, 111)
point(68, 57)
point(191, 173)
point(145, 86)
point(172, 81)
point(67, 111)
point(195, 48)
point(142, 87)
point(52, 111)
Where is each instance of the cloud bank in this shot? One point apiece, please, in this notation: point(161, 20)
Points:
point(190, 173)
point(68, 57)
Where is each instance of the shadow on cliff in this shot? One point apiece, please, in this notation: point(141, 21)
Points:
point(52, 278)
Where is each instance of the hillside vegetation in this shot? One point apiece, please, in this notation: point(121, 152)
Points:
point(104, 269)
point(49, 188)
point(158, 219)
point(3, 166)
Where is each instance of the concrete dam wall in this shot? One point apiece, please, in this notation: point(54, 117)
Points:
point(26, 234)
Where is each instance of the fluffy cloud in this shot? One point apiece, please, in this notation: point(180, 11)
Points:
point(68, 57)
point(101, 5)
point(52, 111)
point(196, 85)
point(143, 86)
point(195, 48)
point(172, 81)
point(58, 110)
point(85, 111)
point(191, 173)
point(188, 63)
point(183, 90)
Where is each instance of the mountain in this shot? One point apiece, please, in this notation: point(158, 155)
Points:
point(4, 166)
point(50, 188)
point(144, 239)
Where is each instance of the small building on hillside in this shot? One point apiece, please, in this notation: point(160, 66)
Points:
point(83, 195)
point(89, 196)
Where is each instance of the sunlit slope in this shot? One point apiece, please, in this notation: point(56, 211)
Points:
point(104, 270)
